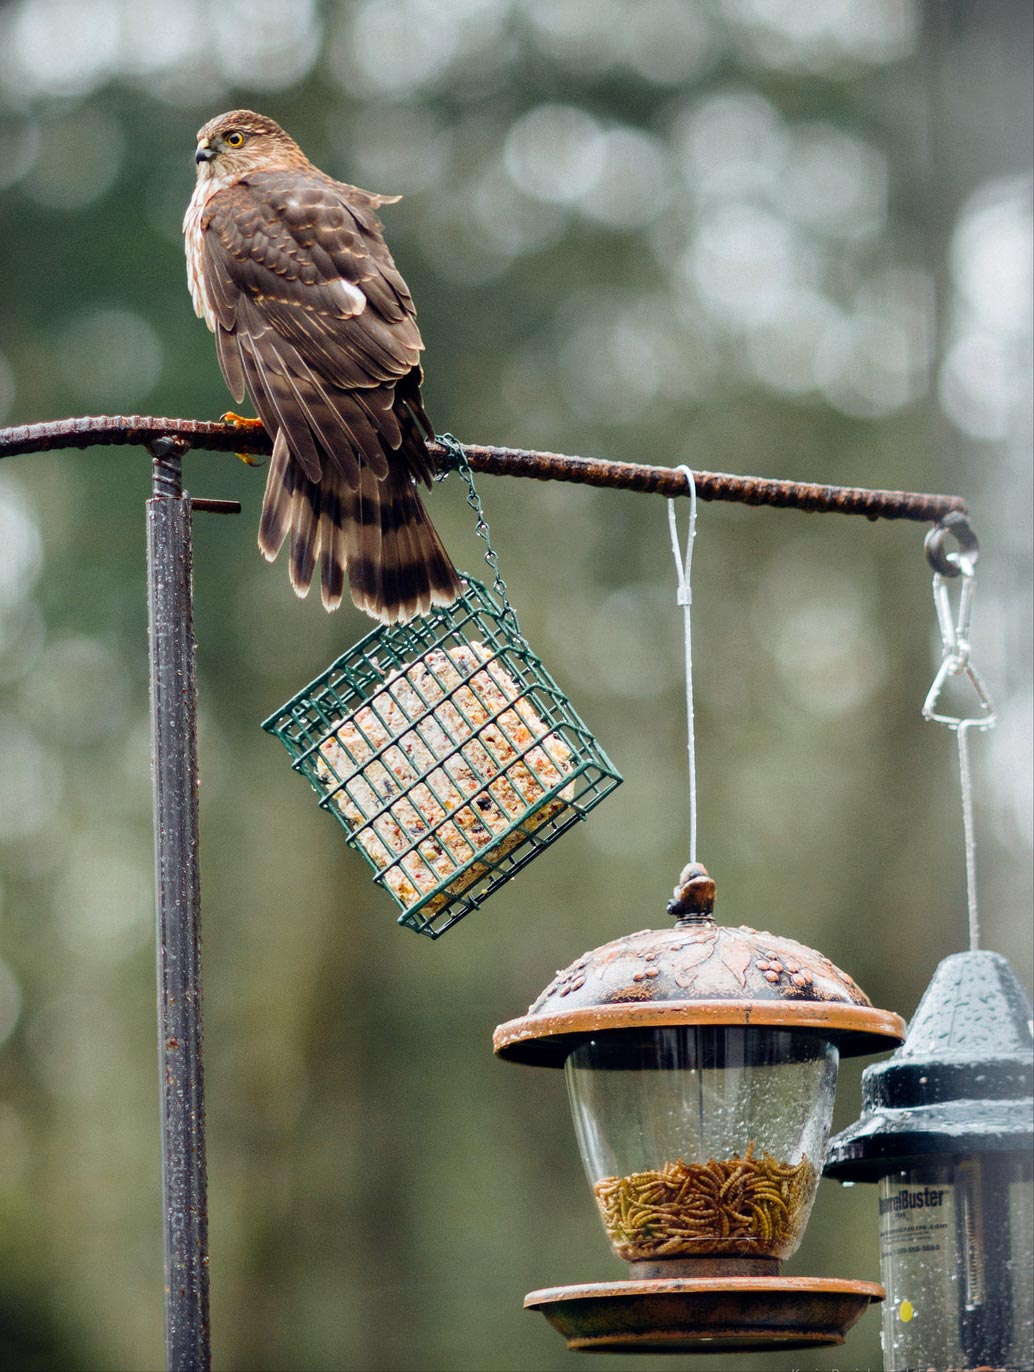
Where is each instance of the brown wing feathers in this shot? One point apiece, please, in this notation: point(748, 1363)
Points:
point(315, 322)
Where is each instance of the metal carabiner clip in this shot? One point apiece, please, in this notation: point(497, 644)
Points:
point(955, 649)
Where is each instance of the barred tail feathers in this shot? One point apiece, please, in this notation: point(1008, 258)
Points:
point(379, 533)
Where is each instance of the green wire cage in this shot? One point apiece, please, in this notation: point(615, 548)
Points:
point(447, 753)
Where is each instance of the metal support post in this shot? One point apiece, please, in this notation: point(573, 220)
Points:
point(180, 1038)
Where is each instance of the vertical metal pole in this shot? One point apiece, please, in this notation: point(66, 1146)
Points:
point(180, 1039)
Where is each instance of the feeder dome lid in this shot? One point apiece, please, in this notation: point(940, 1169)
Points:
point(963, 1081)
point(699, 973)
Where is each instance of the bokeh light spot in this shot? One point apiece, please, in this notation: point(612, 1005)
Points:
point(744, 260)
point(78, 691)
point(555, 153)
point(104, 895)
point(818, 630)
point(783, 347)
point(730, 143)
point(670, 42)
point(22, 559)
point(157, 36)
point(834, 182)
point(390, 47)
point(33, 781)
point(395, 149)
point(585, 35)
point(263, 46)
point(110, 357)
point(824, 35)
point(634, 182)
point(78, 160)
point(62, 47)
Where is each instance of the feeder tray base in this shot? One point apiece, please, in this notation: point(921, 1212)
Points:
point(704, 1314)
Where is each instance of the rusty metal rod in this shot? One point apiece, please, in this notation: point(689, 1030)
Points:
point(743, 490)
point(174, 774)
point(629, 476)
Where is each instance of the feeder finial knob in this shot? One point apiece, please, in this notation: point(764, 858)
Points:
point(694, 896)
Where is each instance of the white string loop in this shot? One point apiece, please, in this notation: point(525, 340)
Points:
point(684, 597)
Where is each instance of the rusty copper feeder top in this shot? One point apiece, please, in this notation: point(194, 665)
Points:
point(699, 972)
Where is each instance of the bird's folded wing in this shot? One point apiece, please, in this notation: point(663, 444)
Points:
point(315, 320)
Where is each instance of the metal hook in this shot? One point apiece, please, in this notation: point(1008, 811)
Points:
point(957, 525)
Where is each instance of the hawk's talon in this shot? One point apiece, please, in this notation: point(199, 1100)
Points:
point(240, 421)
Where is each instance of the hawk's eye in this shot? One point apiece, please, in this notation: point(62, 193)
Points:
point(234, 139)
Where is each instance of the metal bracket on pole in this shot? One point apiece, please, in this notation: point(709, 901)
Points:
point(180, 1036)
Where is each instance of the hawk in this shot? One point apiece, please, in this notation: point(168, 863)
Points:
point(290, 271)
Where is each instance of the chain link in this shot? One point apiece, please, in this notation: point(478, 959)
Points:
point(462, 466)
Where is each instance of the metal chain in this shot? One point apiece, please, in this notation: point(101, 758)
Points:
point(462, 466)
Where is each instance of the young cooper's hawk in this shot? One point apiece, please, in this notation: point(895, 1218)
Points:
point(289, 270)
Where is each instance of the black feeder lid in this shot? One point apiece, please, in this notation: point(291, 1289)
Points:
point(962, 1082)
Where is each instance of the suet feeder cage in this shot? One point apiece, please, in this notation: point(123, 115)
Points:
point(701, 1066)
point(447, 753)
point(946, 1129)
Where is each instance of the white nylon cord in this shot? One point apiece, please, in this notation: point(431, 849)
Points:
point(683, 565)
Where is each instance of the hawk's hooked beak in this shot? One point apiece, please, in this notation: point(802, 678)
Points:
point(204, 153)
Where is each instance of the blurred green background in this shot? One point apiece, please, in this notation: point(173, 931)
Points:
point(781, 237)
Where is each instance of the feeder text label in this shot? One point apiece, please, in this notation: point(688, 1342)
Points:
point(920, 1199)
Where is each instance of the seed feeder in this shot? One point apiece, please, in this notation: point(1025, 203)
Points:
point(947, 1122)
point(946, 1129)
point(701, 1066)
point(446, 751)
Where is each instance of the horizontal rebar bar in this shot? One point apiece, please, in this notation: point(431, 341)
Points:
point(629, 476)
point(743, 490)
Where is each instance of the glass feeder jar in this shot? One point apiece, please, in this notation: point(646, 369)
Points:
point(703, 1140)
point(946, 1129)
point(701, 1065)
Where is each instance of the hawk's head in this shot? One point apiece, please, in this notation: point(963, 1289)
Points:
point(232, 144)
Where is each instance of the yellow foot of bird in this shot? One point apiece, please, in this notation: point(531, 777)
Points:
point(240, 421)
